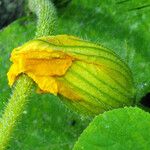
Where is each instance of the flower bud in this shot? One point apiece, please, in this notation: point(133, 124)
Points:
point(87, 76)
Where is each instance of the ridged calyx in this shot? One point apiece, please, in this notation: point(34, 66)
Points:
point(88, 76)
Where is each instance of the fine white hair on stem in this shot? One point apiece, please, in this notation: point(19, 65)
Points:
point(46, 16)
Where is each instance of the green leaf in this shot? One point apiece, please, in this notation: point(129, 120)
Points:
point(120, 129)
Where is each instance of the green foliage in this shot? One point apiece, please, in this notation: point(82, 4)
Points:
point(61, 3)
point(123, 27)
point(120, 129)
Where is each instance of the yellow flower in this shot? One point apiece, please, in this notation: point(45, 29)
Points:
point(88, 76)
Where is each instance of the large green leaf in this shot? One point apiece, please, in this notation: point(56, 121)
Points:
point(120, 129)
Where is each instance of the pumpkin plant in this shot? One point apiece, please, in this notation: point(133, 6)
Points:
point(88, 77)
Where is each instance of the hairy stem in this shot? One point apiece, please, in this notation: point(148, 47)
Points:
point(46, 15)
point(14, 108)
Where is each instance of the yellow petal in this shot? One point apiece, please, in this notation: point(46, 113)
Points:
point(68, 92)
point(46, 84)
point(13, 71)
point(42, 65)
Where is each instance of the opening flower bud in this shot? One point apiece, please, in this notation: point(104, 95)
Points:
point(87, 76)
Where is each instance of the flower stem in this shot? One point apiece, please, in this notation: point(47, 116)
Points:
point(14, 108)
point(46, 15)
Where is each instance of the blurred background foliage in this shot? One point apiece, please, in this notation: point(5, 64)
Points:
point(10, 10)
point(119, 25)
